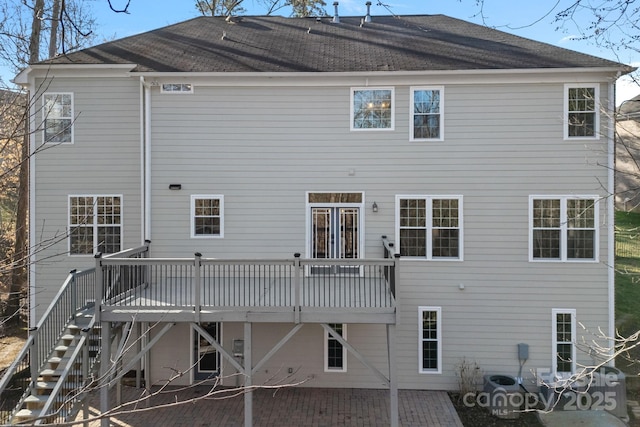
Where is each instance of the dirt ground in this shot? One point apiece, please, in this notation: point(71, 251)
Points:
point(10, 346)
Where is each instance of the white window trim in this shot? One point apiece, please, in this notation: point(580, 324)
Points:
point(411, 112)
point(176, 92)
point(193, 216)
point(45, 116)
point(564, 228)
point(554, 338)
point(596, 130)
point(326, 351)
point(438, 311)
point(430, 199)
point(95, 225)
point(393, 108)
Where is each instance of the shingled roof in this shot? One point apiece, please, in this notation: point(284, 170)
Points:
point(277, 44)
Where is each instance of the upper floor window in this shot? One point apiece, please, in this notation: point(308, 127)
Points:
point(563, 228)
point(430, 340)
point(95, 223)
point(430, 227)
point(426, 114)
point(58, 117)
point(206, 216)
point(176, 88)
point(335, 355)
point(581, 111)
point(372, 108)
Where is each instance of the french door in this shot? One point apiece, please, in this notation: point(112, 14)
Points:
point(335, 234)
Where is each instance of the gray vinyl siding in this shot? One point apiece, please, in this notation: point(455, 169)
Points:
point(104, 159)
point(263, 148)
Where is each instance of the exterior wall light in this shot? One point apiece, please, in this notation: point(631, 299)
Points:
point(374, 207)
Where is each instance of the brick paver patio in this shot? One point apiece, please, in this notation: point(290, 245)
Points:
point(299, 407)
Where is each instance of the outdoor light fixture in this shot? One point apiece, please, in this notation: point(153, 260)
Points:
point(374, 207)
point(175, 186)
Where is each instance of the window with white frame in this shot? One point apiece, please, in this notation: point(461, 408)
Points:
point(430, 340)
point(335, 354)
point(563, 228)
point(58, 117)
point(563, 342)
point(372, 108)
point(429, 227)
point(176, 88)
point(426, 113)
point(207, 216)
point(581, 112)
point(95, 224)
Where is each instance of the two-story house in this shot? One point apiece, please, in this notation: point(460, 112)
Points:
point(255, 165)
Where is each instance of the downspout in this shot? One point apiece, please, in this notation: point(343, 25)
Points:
point(145, 136)
point(32, 202)
point(611, 152)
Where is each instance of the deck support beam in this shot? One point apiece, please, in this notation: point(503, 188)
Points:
point(105, 364)
point(248, 394)
point(394, 412)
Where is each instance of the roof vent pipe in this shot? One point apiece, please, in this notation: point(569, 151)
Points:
point(368, 17)
point(336, 17)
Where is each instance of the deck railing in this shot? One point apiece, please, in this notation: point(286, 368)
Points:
point(76, 295)
point(76, 292)
point(199, 283)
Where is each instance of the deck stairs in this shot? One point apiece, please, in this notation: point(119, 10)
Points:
point(63, 382)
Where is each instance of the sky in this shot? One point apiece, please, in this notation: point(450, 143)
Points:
point(530, 19)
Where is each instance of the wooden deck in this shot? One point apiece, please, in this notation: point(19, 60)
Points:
point(207, 290)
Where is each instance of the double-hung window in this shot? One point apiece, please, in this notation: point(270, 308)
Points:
point(581, 112)
point(429, 227)
point(426, 117)
point(207, 216)
point(563, 342)
point(58, 117)
point(372, 108)
point(430, 340)
point(95, 223)
point(563, 228)
point(335, 354)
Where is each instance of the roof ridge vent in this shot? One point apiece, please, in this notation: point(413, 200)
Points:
point(336, 17)
point(368, 17)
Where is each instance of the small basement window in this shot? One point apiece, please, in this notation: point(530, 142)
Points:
point(176, 88)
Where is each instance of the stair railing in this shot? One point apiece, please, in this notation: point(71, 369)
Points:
point(23, 372)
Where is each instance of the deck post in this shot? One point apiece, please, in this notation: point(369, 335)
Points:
point(248, 394)
point(393, 380)
point(196, 286)
point(297, 287)
point(105, 362)
point(99, 287)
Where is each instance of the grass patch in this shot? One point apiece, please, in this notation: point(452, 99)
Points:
point(628, 284)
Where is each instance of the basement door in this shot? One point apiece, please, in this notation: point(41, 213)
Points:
point(206, 357)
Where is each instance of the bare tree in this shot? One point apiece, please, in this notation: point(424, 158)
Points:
point(299, 8)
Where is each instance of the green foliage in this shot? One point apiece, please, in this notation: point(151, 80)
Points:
point(628, 271)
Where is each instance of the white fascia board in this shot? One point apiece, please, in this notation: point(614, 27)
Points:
point(72, 70)
point(543, 75)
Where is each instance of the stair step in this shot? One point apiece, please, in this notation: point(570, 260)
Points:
point(26, 415)
point(73, 329)
point(44, 387)
point(34, 402)
point(67, 339)
point(56, 362)
point(61, 350)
